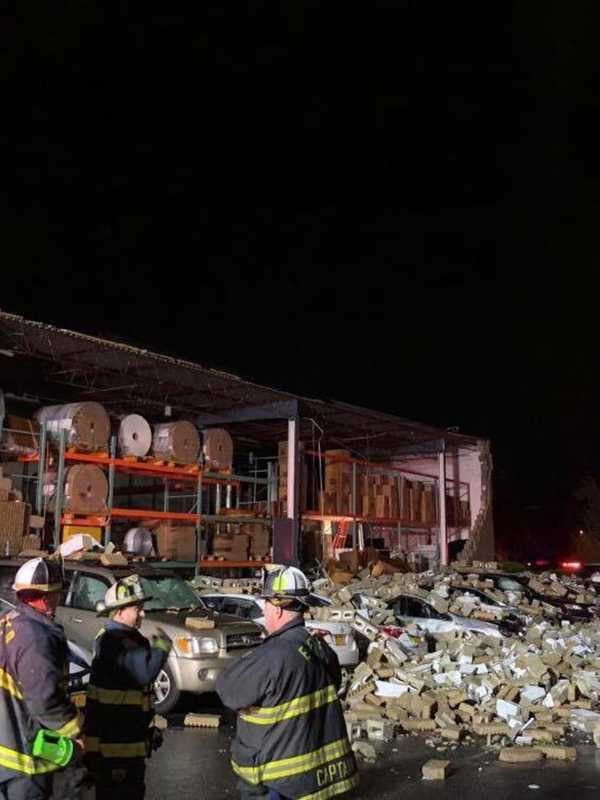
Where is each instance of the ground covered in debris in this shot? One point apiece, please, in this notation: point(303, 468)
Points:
point(194, 763)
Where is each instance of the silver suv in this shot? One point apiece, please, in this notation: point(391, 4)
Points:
point(204, 642)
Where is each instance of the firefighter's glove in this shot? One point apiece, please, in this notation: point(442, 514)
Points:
point(162, 641)
point(155, 738)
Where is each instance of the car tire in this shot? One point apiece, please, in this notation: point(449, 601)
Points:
point(166, 693)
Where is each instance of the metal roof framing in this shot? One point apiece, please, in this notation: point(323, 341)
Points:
point(66, 366)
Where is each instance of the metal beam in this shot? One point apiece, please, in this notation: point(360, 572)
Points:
point(284, 409)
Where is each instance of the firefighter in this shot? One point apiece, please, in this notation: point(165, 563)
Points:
point(291, 737)
point(33, 679)
point(119, 708)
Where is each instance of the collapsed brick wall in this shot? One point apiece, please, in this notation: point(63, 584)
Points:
point(481, 545)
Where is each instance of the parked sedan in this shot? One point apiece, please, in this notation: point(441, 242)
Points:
point(409, 609)
point(513, 619)
point(338, 635)
point(518, 584)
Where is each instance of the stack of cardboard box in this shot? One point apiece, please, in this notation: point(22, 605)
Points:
point(337, 497)
point(380, 496)
point(231, 547)
point(259, 539)
point(176, 542)
point(14, 518)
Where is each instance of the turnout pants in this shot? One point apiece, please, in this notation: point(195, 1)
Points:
point(120, 779)
point(30, 787)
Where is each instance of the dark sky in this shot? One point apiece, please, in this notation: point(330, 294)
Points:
point(394, 204)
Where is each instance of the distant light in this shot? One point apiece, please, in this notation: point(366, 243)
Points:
point(571, 564)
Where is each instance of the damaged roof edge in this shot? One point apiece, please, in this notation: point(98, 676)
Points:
point(16, 321)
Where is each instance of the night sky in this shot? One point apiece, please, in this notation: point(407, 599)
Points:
point(391, 204)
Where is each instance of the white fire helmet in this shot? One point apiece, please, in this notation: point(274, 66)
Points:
point(125, 592)
point(38, 575)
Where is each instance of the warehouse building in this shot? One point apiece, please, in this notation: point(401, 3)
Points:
point(222, 470)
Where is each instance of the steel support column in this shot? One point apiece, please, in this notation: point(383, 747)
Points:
point(60, 489)
point(293, 482)
point(443, 536)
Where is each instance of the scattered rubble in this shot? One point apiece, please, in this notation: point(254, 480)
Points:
point(520, 755)
point(522, 691)
point(525, 691)
point(202, 720)
point(435, 770)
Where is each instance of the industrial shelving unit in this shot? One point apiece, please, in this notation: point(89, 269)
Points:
point(403, 523)
point(192, 474)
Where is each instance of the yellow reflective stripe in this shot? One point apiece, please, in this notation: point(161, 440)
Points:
point(21, 762)
point(278, 583)
point(333, 789)
point(7, 682)
point(293, 708)
point(119, 697)
point(285, 767)
point(71, 728)
point(115, 749)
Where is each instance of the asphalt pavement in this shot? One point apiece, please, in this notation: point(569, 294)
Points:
point(194, 763)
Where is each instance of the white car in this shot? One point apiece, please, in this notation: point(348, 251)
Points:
point(414, 610)
point(338, 635)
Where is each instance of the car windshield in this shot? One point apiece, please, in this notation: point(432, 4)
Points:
point(168, 591)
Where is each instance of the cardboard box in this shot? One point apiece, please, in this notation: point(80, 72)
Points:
point(23, 434)
point(176, 542)
point(13, 526)
point(32, 542)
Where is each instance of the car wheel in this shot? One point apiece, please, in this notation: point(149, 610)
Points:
point(166, 693)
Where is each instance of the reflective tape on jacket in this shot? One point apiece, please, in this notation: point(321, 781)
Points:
point(293, 708)
point(333, 789)
point(7, 682)
point(286, 767)
point(22, 762)
point(116, 749)
point(120, 697)
point(71, 728)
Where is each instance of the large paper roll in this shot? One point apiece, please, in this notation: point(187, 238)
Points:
point(87, 425)
point(138, 541)
point(86, 490)
point(217, 447)
point(135, 436)
point(176, 441)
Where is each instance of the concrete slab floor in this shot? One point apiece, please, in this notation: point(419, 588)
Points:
point(194, 763)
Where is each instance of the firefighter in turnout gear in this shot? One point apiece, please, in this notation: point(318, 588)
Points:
point(119, 700)
point(291, 737)
point(33, 679)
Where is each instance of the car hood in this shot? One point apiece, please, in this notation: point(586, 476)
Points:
point(173, 622)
